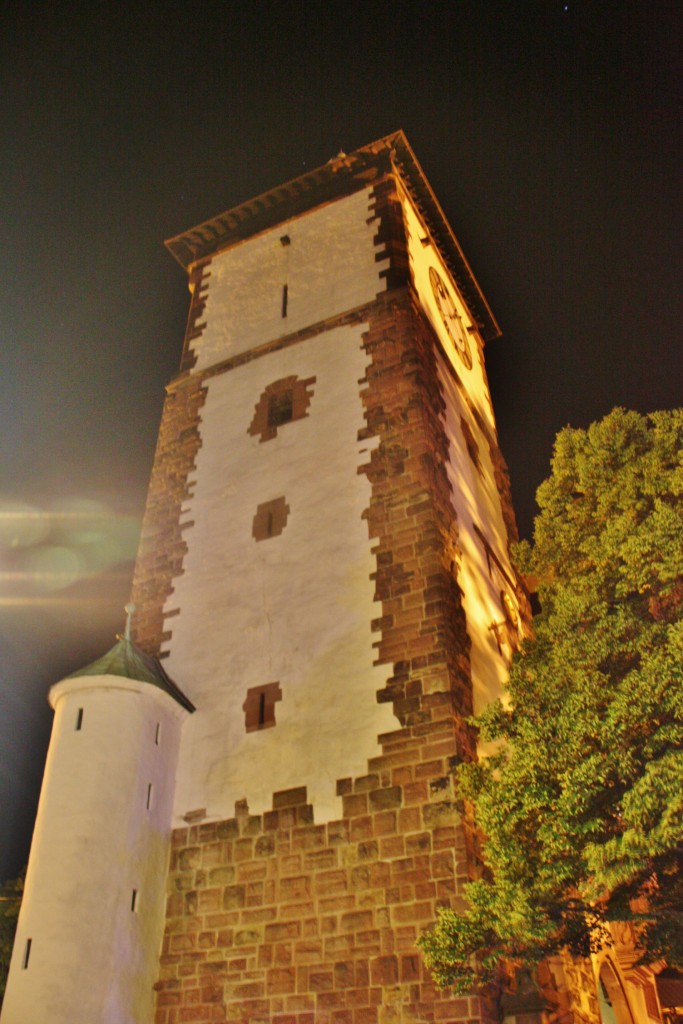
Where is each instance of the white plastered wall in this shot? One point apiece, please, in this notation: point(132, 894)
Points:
point(294, 608)
point(474, 493)
point(328, 265)
point(92, 958)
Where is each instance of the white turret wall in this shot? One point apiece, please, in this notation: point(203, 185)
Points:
point(91, 921)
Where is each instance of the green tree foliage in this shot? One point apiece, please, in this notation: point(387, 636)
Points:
point(10, 902)
point(582, 806)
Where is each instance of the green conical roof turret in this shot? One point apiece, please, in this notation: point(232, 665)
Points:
point(126, 659)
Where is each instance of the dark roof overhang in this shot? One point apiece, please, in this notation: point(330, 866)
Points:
point(127, 660)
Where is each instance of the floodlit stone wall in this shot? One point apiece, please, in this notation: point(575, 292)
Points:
point(326, 261)
point(287, 914)
point(494, 603)
point(274, 918)
point(312, 604)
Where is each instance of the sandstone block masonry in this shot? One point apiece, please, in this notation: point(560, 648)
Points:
point(274, 918)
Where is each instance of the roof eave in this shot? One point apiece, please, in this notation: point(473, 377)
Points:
point(340, 176)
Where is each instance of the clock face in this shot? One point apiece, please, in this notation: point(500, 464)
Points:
point(451, 319)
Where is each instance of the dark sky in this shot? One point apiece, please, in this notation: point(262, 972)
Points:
point(548, 130)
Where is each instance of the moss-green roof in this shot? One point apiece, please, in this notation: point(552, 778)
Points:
point(126, 659)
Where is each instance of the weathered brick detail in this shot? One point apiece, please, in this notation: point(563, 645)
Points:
point(162, 545)
point(390, 238)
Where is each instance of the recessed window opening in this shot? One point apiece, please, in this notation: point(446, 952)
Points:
point(492, 560)
point(284, 300)
point(270, 519)
point(27, 954)
point(280, 403)
point(79, 720)
point(259, 706)
point(512, 621)
point(612, 998)
point(280, 408)
point(470, 443)
point(134, 901)
point(605, 993)
point(157, 733)
point(149, 796)
point(496, 630)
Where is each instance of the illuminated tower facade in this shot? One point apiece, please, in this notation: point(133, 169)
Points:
point(324, 571)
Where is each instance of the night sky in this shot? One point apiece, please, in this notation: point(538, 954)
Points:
point(550, 133)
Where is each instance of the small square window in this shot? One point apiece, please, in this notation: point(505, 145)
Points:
point(270, 519)
point(259, 706)
point(280, 408)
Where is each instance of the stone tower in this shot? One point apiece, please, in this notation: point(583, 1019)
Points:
point(324, 570)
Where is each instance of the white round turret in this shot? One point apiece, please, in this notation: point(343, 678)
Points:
point(92, 916)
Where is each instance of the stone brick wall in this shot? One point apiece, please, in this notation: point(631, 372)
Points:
point(162, 546)
point(422, 629)
point(275, 918)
